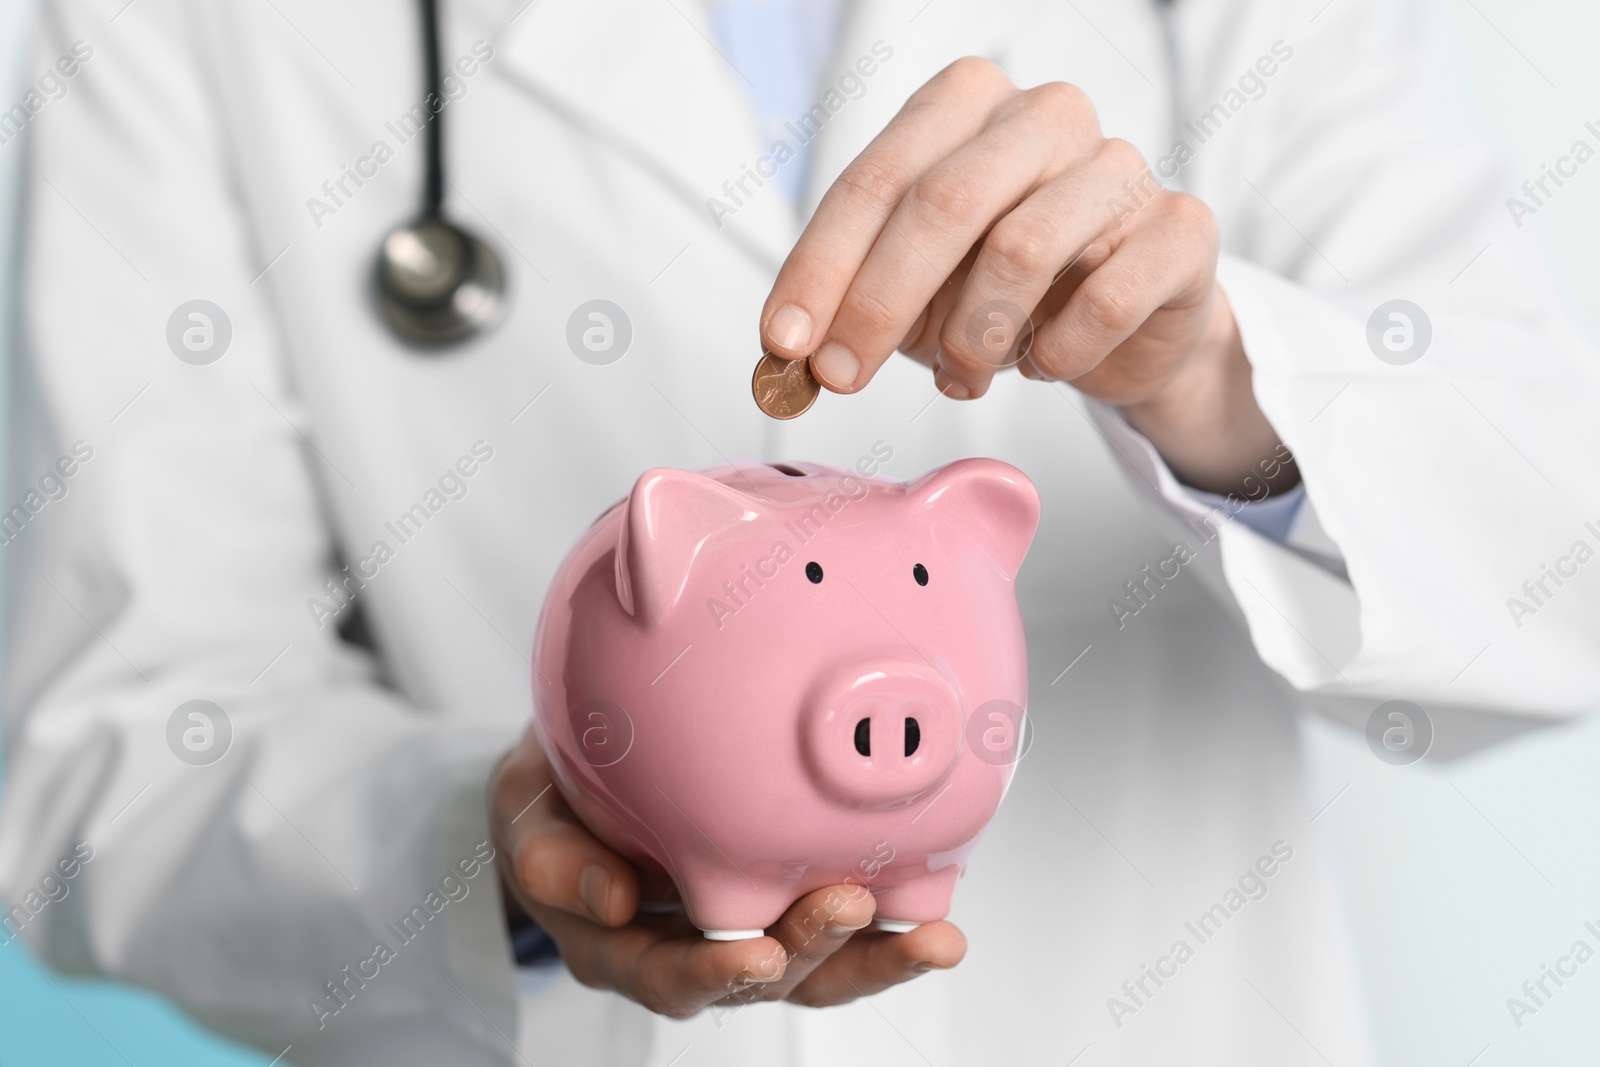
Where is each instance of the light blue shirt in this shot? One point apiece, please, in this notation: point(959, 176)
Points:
point(780, 46)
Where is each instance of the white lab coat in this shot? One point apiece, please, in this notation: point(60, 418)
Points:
point(179, 566)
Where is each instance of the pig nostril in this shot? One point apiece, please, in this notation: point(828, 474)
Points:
point(864, 737)
point(913, 736)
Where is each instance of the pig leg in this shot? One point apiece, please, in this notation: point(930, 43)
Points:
point(726, 907)
point(923, 899)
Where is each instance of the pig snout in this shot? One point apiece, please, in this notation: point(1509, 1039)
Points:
point(882, 730)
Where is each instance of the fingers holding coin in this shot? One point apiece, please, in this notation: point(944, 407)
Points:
point(990, 227)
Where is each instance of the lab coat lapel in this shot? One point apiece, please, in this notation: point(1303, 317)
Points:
point(922, 40)
point(649, 81)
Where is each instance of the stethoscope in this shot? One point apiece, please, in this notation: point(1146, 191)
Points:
point(437, 284)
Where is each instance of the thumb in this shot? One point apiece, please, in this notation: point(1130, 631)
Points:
point(555, 860)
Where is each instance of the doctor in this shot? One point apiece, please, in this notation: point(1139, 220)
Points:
point(339, 544)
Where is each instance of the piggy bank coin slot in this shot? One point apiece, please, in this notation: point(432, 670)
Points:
point(784, 468)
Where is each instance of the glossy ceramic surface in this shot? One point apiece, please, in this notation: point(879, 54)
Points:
point(762, 680)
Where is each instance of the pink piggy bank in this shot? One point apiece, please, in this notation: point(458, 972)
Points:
point(760, 681)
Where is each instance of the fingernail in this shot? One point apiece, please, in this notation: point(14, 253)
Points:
point(790, 328)
point(592, 887)
point(924, 968)
point(836, 365)
point(840, 930)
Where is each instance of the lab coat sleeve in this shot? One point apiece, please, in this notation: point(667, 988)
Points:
point(175, 565)
point(1451, 489)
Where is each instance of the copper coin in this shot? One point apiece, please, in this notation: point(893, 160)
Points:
point(784, 388)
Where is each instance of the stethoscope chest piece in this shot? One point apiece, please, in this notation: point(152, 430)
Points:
point(438, 284)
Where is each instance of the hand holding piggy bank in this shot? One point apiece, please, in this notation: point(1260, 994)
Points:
point(759, 681)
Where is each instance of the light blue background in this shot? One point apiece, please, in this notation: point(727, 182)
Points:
point(1443, 868)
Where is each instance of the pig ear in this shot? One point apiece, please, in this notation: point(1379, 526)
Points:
point(995, 499)
point(670, 516)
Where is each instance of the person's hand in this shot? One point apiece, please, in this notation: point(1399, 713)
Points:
point(988, 226)
point(587, 898)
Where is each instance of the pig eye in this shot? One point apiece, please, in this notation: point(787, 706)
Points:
point(920, 573)
point(814, 572)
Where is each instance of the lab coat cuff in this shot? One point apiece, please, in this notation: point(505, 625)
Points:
point(1275, 568)
point(1277, 518)
point(1272, 518)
